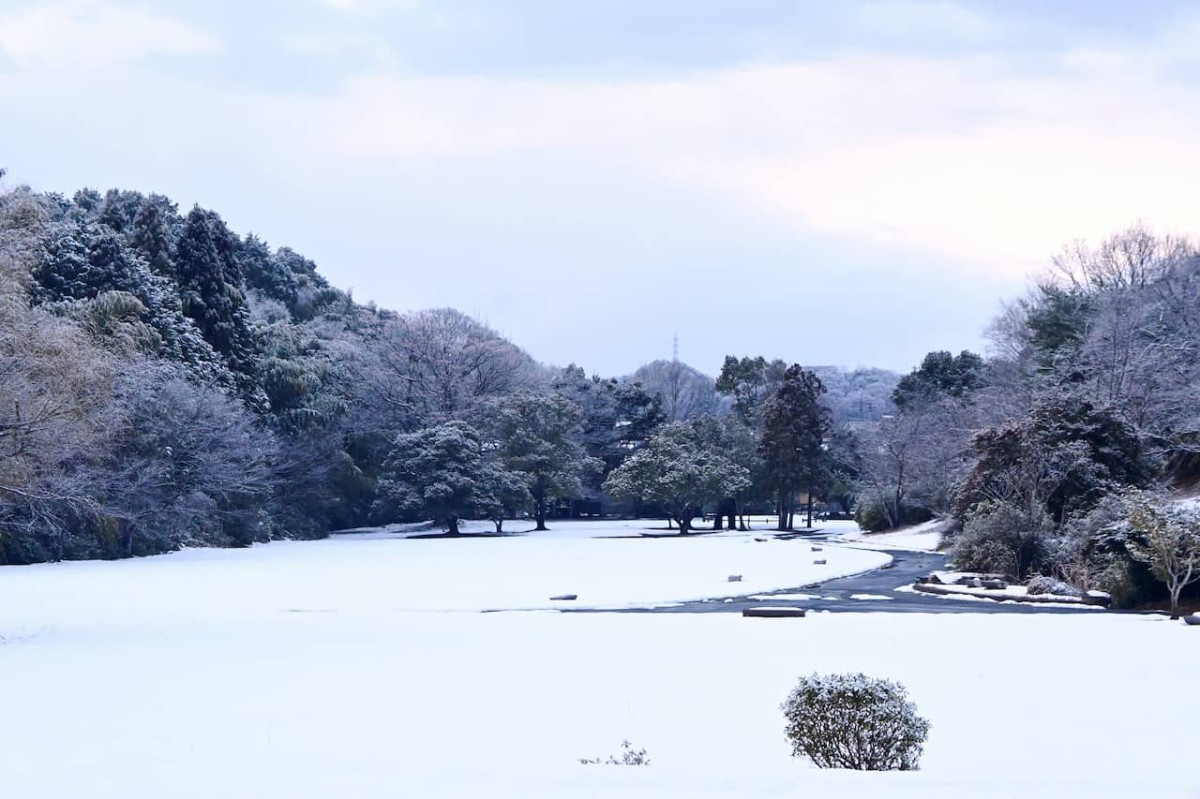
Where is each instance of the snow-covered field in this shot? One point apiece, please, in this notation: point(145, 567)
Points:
point(353, 668)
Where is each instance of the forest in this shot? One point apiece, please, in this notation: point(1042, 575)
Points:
point(168, 382)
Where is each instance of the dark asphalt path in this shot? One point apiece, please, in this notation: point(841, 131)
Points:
point(835, 595)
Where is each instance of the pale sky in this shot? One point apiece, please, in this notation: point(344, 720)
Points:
point(850, 183)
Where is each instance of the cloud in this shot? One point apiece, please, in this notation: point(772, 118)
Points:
point(331, 46)
point(927, 18)
point(88, 34)
point(968, 159)
point(973, 160)
point(370, 6)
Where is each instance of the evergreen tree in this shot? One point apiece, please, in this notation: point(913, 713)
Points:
point(795, 425)
point(539, 439)
point(153, 234)
point(940, 375)
point(211, 284)
point(679, 471)
point(441, 472)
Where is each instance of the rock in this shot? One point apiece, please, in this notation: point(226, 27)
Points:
point(821, 562)
point(1102, 598)
point(774, 613)
point(735, 578)
point(1192, 620)
point(995, 585)
point(974, 582)
point(728, 601)
point(816, 549)
point(564, 598)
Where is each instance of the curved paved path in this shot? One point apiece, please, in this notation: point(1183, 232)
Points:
point(837, 595)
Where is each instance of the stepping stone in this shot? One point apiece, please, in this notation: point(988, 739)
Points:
point(774, 613)
point(564, 597)
point(735, 578)
point(820, 562)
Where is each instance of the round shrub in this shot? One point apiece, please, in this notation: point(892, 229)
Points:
point(854, 721)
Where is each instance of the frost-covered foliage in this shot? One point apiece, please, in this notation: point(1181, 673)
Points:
point(854, 721)
point(1000, 537)
point(1167, 540)
point(1042, 584)
point(684, 391)
point(629, 757)
point(679, 471)
point(442, 472)
point(540, 442)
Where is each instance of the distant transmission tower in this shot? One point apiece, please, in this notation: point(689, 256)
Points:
point(675, 349)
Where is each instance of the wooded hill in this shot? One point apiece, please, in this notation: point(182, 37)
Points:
point(168, 382)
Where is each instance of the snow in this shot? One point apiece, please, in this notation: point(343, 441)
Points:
point(1013, 593)
point(785, 597)
point(370, 573)
point(350, 668)
point(868, 597)
point(925, 537)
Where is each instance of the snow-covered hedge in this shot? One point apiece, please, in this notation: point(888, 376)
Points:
point(854, 721)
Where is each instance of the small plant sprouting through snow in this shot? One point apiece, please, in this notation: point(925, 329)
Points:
point(629, 757)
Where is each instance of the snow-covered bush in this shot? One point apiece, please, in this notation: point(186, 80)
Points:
point(854, 721)
point(1048, 585)
point(1000, 537)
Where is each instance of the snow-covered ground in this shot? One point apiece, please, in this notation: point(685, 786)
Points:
point(388, 574)
point(330, 669)
point(921, 537)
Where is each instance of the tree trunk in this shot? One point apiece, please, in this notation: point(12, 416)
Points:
point(717, 519)
point(1175, 592)
point(539, 513)
point(685, 524)
point(499, 525)
point(731, 512)
point(452, 524)
point(810, 504)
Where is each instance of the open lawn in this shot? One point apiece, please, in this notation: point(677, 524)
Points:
point(358, 667)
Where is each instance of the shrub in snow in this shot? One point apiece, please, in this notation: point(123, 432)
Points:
point(629, 757)
point(1048, 585)
point(854, 721)
point(1001, 537)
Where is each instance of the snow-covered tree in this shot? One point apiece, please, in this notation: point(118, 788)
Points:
point(680, 471)
point(432, 366)
point(1169, 542)
point(539, 439)
point(795, 424)
point(685, 392)
point(441, 472)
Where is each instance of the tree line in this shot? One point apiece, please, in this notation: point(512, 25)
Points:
point(168, 382)
point(1051, 453)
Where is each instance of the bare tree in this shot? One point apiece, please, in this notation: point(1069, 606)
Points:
point(431, 366)
point(686, 392)
point(1131, 259)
